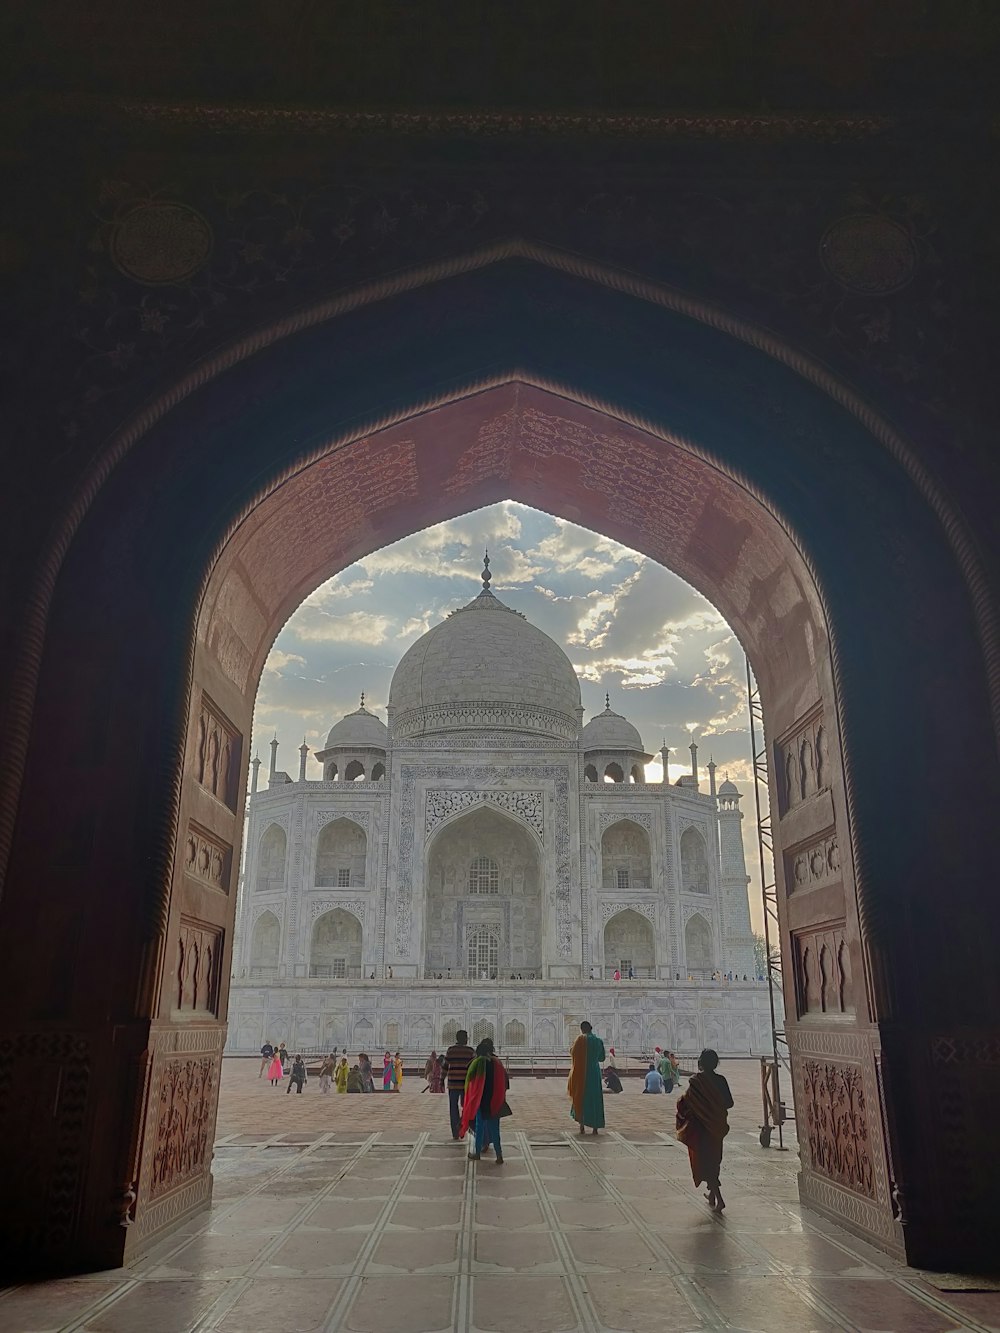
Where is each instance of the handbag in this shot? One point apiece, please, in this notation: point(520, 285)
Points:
point(504, 1111)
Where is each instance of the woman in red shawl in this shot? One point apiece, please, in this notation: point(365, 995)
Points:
point(486, 1086)
point(702, 1124)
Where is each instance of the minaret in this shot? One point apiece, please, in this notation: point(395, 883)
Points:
point(711, 776)
point(256, 774)
point(304, 753)
point(737, 935)
point(693, 747)
point(665, 761)
point(274, 758)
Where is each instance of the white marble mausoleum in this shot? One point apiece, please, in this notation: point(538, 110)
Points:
point(486, 860)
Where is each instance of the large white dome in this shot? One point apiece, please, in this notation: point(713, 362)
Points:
point(485, 668)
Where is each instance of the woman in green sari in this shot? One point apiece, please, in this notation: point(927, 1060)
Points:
point(584, 1086)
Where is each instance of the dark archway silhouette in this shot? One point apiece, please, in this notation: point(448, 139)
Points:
point(621, 406)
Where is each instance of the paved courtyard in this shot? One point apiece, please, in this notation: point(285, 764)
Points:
point(361, 1214)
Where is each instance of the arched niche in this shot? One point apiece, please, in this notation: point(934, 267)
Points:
point(265, 946)
point(483, 870)
point(355, 771)
point(271, 854)
point(637, 773)
point(699, 947)
point(341, 855)
point(514, 1033)
point(614, 773)
point(629, 942)
point(482, 1029)
point(590, 774)
point(694, 862)
point(331, 772)
point(335, 945)
point(626, 862)
point(378, 772)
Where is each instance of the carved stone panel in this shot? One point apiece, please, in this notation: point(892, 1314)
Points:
point(814, 865)
point(823, 979)
point(207, 857)
point(217, 753)
point(802, 761)
point(199, 957)
point(186, 1100)
point(836, 1121)
point(525, 805)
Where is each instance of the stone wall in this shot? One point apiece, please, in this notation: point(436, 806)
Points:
point(416, 1016)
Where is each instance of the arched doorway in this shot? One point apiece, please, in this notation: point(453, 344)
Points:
point(341, 854)
point(625, 856)
point(694, 862)
point(271, 862)
point(483, 898)
point(335, 946)
point(699, 947)
point(601, 430)
point(265, 947)
point(630, 945)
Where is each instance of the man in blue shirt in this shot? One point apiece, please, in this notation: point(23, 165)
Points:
point(654, 1080)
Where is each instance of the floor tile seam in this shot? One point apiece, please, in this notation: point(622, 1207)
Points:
point(927, 1298)
point(227, 1299)
point(576, 1285)
point(98, 1307)
point(461, 1313)
point(351, 1284)
point(701, 1304)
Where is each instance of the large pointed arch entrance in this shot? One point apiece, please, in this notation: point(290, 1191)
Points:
point(597, 400)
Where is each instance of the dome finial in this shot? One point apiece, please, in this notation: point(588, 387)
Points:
point(607, 702)
point(362, 698)
point(486, 571)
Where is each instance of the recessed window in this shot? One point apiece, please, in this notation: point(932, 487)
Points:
point(622, 878)
point(484, 876)
point(484, 954)
point(340, 967)
point(344, 877)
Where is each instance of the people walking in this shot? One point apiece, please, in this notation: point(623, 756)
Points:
point(326, 1073)
point(340, 1077)
point(702, 1124)
point(584, 1084)
point(654, 1079)
point(433, 1073)
point(388, 1073)
point(297, 1076)
point(275, 1070)
point(354, 1079)
point(365, 1070)
point(282, 1055)
point(397, 1069)
point(266, 1056)
point(485, 1100)
point(457, 1059)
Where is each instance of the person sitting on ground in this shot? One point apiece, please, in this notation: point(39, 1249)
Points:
point(654, 1080)
point(298, 1075)
point(703, 1123)
point(611, 1080)
point(354, 1080)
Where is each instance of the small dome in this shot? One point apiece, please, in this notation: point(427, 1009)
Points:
point(485, 667)
point(728, 789)
point(360, 730)
point(610, 731)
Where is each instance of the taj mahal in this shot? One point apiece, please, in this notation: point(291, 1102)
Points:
point(485, 859)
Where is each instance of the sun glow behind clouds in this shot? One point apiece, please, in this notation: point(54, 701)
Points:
point(667, 658)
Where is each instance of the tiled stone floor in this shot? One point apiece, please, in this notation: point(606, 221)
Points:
point(360, 1214)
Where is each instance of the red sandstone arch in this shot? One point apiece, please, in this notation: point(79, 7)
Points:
point(666, 490)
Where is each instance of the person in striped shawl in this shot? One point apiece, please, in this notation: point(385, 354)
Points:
point(485, 1100)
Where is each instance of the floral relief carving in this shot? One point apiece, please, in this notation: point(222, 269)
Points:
point(837, 1125)
point(525, 805)
point(207, 857)
point(812, 866)
point(356, 906)
point(217, 753)
point(608, 910)
point(362, 817)
point(187, 1094)
point(608, 817)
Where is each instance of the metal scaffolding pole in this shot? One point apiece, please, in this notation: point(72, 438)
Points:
point(769, 896)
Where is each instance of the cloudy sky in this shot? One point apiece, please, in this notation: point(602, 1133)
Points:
point(668, 659)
